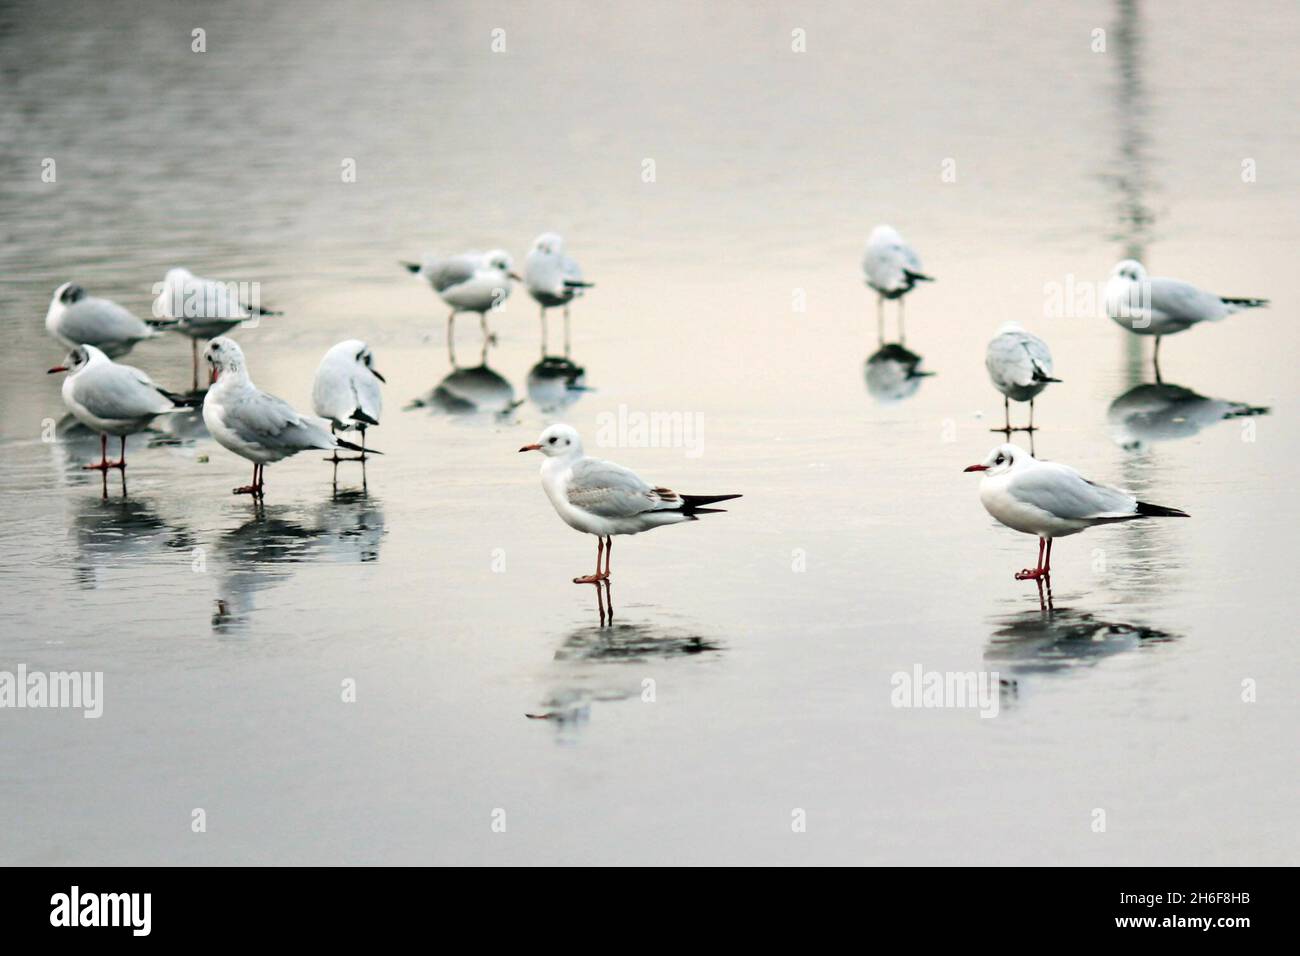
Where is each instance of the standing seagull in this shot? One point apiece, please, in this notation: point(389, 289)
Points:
point(253, 424)
point(602, 498)
point(112, 399)
point(75, 318)
point(892, 268)
point(470, 282)
point(1020, 366)
point(346, 391)
point(202, 308)
point(1158, 306)
point(1052, 501)
point(553, 279)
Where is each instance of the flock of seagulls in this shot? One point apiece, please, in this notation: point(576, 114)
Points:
point(1043, 498)
point(595, 497)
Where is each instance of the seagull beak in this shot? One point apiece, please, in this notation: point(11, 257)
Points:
point(531, 448)
point(977, 468)
point(378, 376)
point(57, 368)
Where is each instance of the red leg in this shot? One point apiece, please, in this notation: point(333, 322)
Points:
point(1027, 574)
point(255, 488)
point(1048, 566)
point(593, 578)
point(609, 549)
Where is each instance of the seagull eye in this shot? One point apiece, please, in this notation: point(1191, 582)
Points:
point(999, 460)
point(552, 439)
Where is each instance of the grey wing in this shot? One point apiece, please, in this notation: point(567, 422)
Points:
point(612, 491)
point(1182, 300)
point(1064, 492)
point(121, 393)
point(445, 273)
point(1009, 362)
point(909, 259)
point(262, 419)
point(1038, 353)
point(92, 321)
point(365, 387)
point(570, 270)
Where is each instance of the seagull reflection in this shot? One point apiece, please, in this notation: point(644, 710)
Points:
point(471, 391)
point(1060, 641)
point(122, 533)
point(263, 552)
point(555, 383)
point(1155, 413)
point(588, 652)
point(893, 373)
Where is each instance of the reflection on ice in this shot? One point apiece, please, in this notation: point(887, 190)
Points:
point(1060, 641)
point(470, 391)
point(1155, 413)
point(893, 373)
point(555, 383)
point(262, 552)
point(585, 675)
point(120, 531)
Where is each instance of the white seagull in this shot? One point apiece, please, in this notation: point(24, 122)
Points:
point(602, 498)
point(75, 318)
point(470, 282)
point(1020, 366)
point(203, 308)
point(1052, 501)
point(346, 390)
point(112, 399)
point(892, 268)
point(254, 424)
point(553, 279)
point(1153, 305)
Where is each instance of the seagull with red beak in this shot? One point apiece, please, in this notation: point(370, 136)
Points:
point(602, 498)
point(1051, 501)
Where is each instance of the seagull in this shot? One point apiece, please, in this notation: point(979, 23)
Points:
point(253, 424)
point(1158, 306)
point(602, 498)
point(553, 279)
point(1020, 366)
point(470, 282)
point(112, 399)
point(202, 308)
point(75, 318)
point(1052, 501)
point(892, 268)
point(346, 390)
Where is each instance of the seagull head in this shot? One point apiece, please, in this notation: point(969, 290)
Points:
point(225, 358)
point(69, 293)
point(548, 244)
point(557, 441)
point(1130, 269)
point(366, 358)
point(1000, 460)
point(500, 261)
point(77, 359)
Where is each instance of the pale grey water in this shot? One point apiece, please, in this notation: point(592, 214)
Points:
point(444, 592)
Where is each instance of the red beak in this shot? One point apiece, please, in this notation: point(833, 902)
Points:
point(977, 468)
point(531, 448)
point(57, 368)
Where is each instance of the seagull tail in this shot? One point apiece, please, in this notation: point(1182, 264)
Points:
point(1159, 511)
point(351, 447)
point(918, 276)
point(694, 504)
point(161, 323)
point(412, 267)
point(363, 418)
point(578, 284)
point(181, 401)
point(1245, 302)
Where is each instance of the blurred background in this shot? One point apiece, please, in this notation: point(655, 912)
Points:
point(1021, 152)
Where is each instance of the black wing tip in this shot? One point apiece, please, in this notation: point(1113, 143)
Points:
point(180, 401)
point(1248, 302)
point(694, 504)
point(577, 284)
point(1160, 511)
point(917, 276)
point(351, 447)
point(411, 267)
point(363, 418)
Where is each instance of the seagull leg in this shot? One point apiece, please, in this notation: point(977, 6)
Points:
point(248, 489)
point(488, 337)
point(1006, 412)
point(1031, 416)
point(121, 461)
point(1155, 361)
point(1033, 574)
point(593, 578)
point(880, 318)
point(566, 330)
point(1047, 566)
point(334, 458)
point(194, 355)
point(451, 337)
point(103, 464)
point(901, 337)
point(609, 549)
point(543, 331)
